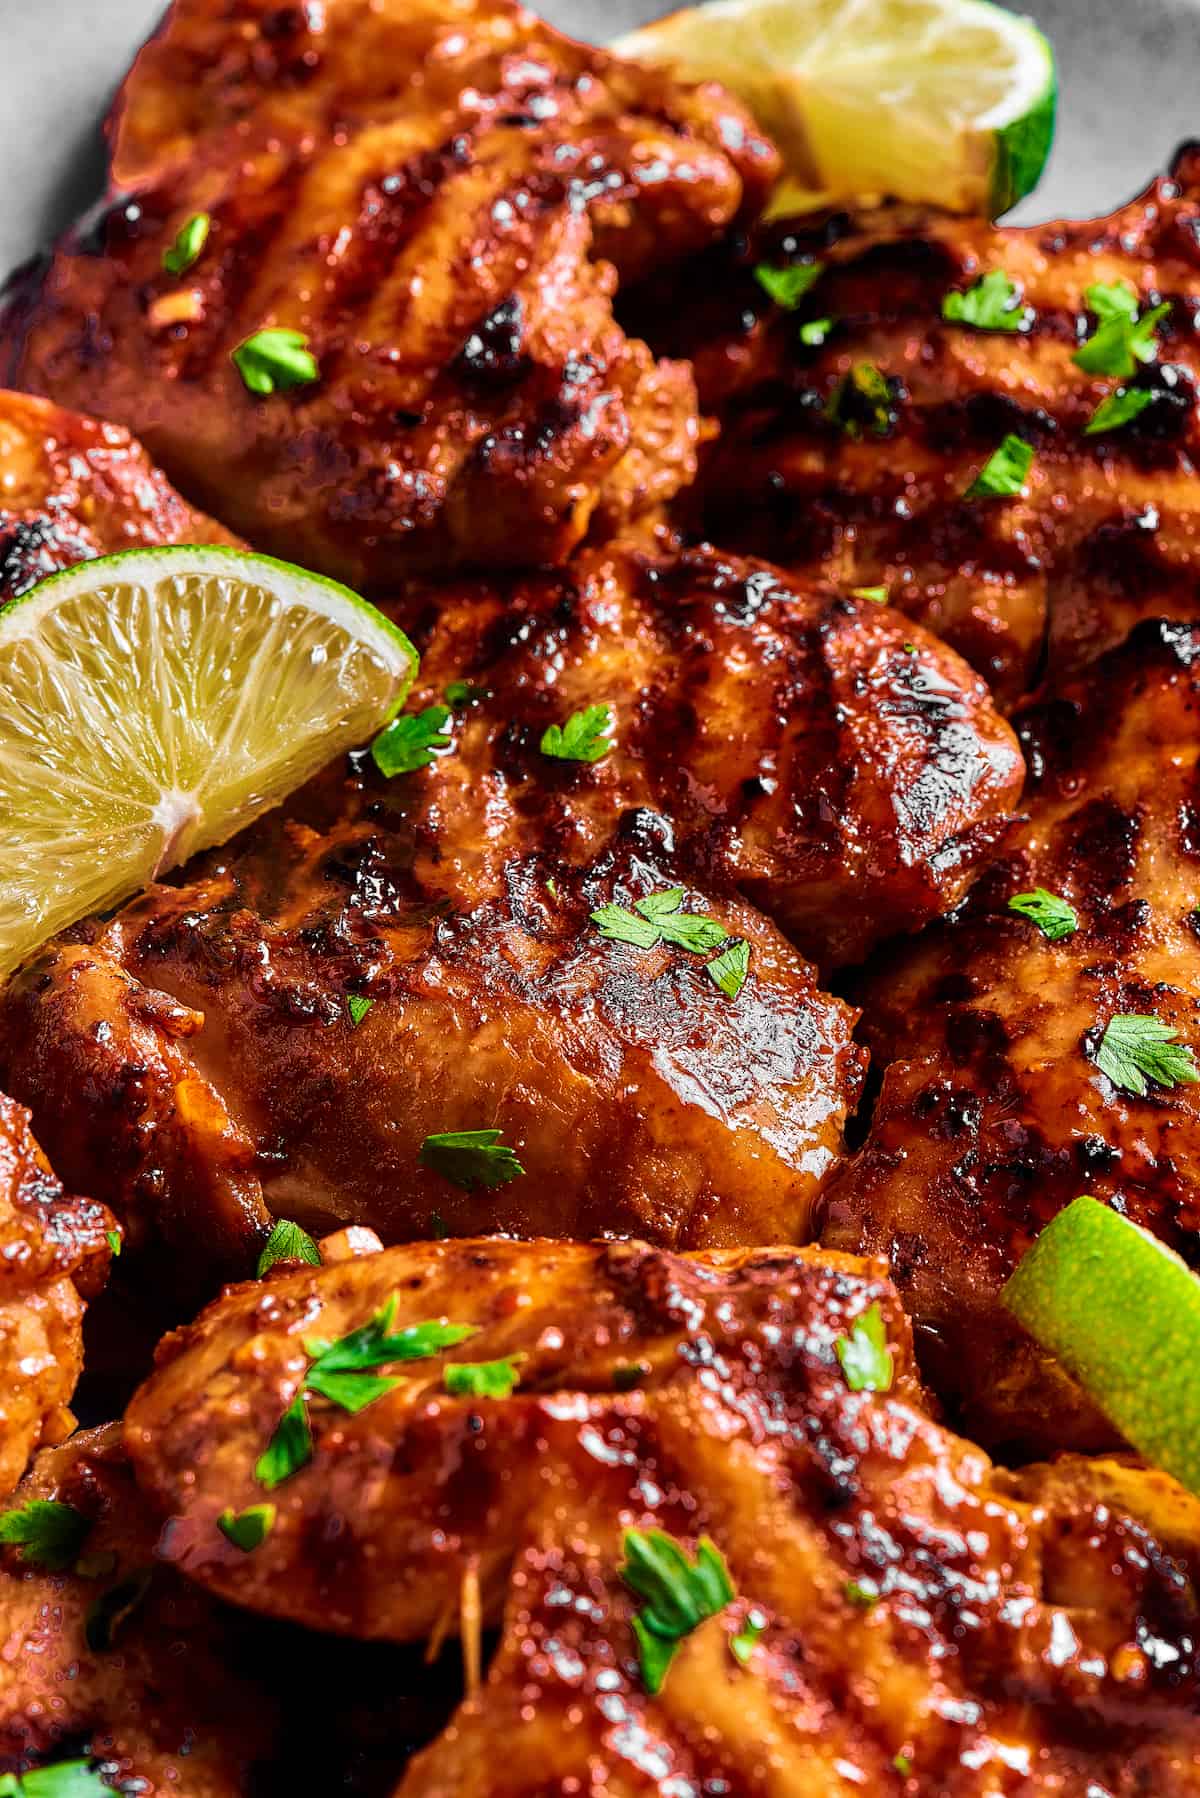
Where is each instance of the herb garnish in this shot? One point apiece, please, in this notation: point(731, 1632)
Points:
point(273, 360)
point(861, 1592)
point(992, 304)
point(676, 1595)
point(482, 1379)
point(190, 239)
point(788, 286)
point(411, 741)
point(1122, 338)
point(865, 1356)
point(658, 919)
point(66, 1779)
point(342, 1372)
point(1052, 915)
point(876, 595)
point(1005, 472)
point(814, 331)
point(358, 1006)
point(115, 1242)
point(862, 400)
point(583, 738)
point(247, 1529)
point(741, 1646)
point(728, 970)
point(462, 693)
point(46, 1532)
point(470, 1158)
point(1136, 1048)
point(287, 1242)
point(1118, 409)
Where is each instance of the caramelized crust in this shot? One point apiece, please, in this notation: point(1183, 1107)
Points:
point(72, 488)
point(1106, 532)
point(929, 1624)
point(993, 1112)
point(53, 1255)
point(442, 199)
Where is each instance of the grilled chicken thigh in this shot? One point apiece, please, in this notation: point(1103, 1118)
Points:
point(54, 1254)
point(72, 488)
point(868, 484)
point(995, 1109)
point(900, 1615)
point(441, 199)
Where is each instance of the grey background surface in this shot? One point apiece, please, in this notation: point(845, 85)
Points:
point(1129, 73)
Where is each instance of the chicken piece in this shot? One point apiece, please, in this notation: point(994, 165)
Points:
point(994, 1113)
point(198, 1053)
point(54, 1254)
point(915, 1621)
point(845, 774)
point(1106, 532)
point(72, 488)
point(441, 199)
point(112, 1655)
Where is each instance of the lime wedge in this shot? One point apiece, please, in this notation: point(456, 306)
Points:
point(944, 102)
point(153, 703)
point(1121, 1312)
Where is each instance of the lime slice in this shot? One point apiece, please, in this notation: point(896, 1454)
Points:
point(945, 102)
point(1121, 1312)
point(153, 703)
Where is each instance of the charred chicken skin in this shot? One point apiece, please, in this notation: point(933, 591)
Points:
point(54, 1254)
point(441, 200)
point(995, 1109)
point(851, 458)
point(72, 488)
point(898, 1616)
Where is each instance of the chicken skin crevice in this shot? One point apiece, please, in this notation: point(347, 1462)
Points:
point(441, 201)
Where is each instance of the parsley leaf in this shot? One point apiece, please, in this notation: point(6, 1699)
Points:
point(583, 738)
point(992, 304)
point(876, 595)
point(289, 1448)
point(66, 1779)
point(902, 1764)
point(247, 1529)
point(814, 331)
point(462, 693)
point(46, 1532)
point(287, 1242)
point(741, 1646)
point(1005, 472)
point(1117, 409)
point(862, 1592)
point(862, 400)
point(788, 286)
point(470, 1158)
point(865, 1356)
point(358, 1007)
point(1052, 915)
point(189, 241)
point(728, 970)
point(115, 1242)
point(273, 360)
point(482, 1379)
point(677, 1595)
point(1122, 338)
point(411, 741)
point(1136, 1048)
point(657, 918)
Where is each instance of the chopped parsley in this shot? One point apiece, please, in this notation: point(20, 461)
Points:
point(741, 1646)
point(462, 693)
point(358, 1007)
point(861, 1592)
point(1118, 409)
point(273, 360)
point(113, 1609)
point(114, 1240)
point(470, 1158)
point(865, 1356)
point(992, 304)
point(190, 239)
point(814, 331)
point(1005, 472)
point(658, 919)
point(287, 1242)
point(411, 741)
point(677, 1595)
point(728, 970)
point(45, 1532)
point(583, 738)
point(788, 286)
point(876, 595)
point(247, 1529)
point(1123, 337)
point(66, 1779)
point(902, 1764)
point(1052, 915)
point(1136, 1048)
point(482, 1379)
point(862, 401)
point(344, 1373)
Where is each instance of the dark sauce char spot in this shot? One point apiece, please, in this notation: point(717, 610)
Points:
point(492, 355)
point(33, 548)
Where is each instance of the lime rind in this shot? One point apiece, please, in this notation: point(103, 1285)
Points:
point(1121, 1312)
